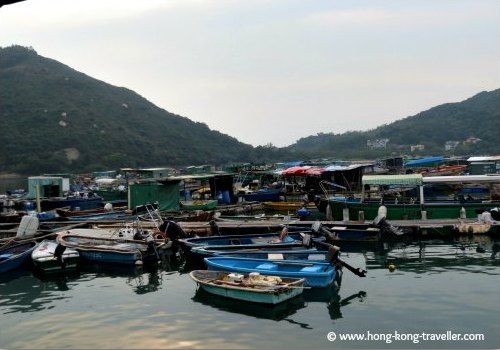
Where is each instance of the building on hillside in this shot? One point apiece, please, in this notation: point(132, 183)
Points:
point(414, 148)
point(378, 143)
point(451, 145)
point(484, 165)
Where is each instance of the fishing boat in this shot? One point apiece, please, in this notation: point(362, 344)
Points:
point(316, 274)
point(264, 194)
point(403, 197)
point(14, 255)
point(47, 258)
point(112, 250)
point(252, 287)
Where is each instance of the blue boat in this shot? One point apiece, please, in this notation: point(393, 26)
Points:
point(264, 195)
point(232, 242)
point(112, 250)
point(294, 253)
point(15, 255)
point(316, 274)
point(252, 287)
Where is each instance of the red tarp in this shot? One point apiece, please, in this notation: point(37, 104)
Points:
point(302, 171)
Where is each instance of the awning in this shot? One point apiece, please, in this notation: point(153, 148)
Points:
point(401, 180)
point(346, 167)
point(305, 170)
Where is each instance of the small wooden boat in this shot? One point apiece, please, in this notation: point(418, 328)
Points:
point(316, 274)
point(110, 250)
point(288, 206)
point(251, 287)
point(14, 255)
point(45, 258)
point(199, 204)
point(67, 212)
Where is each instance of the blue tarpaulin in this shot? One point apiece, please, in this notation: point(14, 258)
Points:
point(424, 161)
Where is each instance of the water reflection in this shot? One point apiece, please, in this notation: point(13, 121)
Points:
point(473, 253)
point(272, 312)
point(24, 293)
point(282, 311)
point(142, 279)
point(331, 297)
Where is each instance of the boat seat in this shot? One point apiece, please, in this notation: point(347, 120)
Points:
point(266, 266)
point(311, 269)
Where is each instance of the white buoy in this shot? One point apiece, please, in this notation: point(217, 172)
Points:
point(345, 214)
point(382, 211)
point(463, 213)
point(108, 206)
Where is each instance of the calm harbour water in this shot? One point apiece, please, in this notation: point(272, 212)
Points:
point(436, 287)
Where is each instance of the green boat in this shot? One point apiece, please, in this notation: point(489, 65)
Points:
point(199, 204)
point(414, 208)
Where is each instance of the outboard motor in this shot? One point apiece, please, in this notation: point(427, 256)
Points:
point(495, 214)
point(214, 228)
point(58, 253)
point(333, 257)
point(303, 213)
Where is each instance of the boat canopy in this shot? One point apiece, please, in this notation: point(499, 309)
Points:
point(463, 179)
point(402, 180)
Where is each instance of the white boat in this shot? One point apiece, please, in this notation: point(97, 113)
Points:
point(45, 258)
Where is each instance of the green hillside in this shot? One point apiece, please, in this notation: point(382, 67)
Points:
point(55, 119)
point(472, 125)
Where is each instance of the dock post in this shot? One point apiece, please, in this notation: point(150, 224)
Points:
point(345, 214)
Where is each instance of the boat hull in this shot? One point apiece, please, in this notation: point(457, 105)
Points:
point(108, 250)
point(254, 294)
point(43, 257)
point(15, 255)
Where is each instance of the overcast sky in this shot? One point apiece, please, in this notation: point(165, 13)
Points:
point(273, 71)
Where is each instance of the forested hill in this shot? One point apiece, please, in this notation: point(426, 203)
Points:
point(56, 119)
point(470, 127)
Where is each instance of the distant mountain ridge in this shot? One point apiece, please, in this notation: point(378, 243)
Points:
point(55, 119)
point(463, 128)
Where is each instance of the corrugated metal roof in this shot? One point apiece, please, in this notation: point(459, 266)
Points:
point(463, 179)
point(406, 180)
point(482, 159)
point(348, 167)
